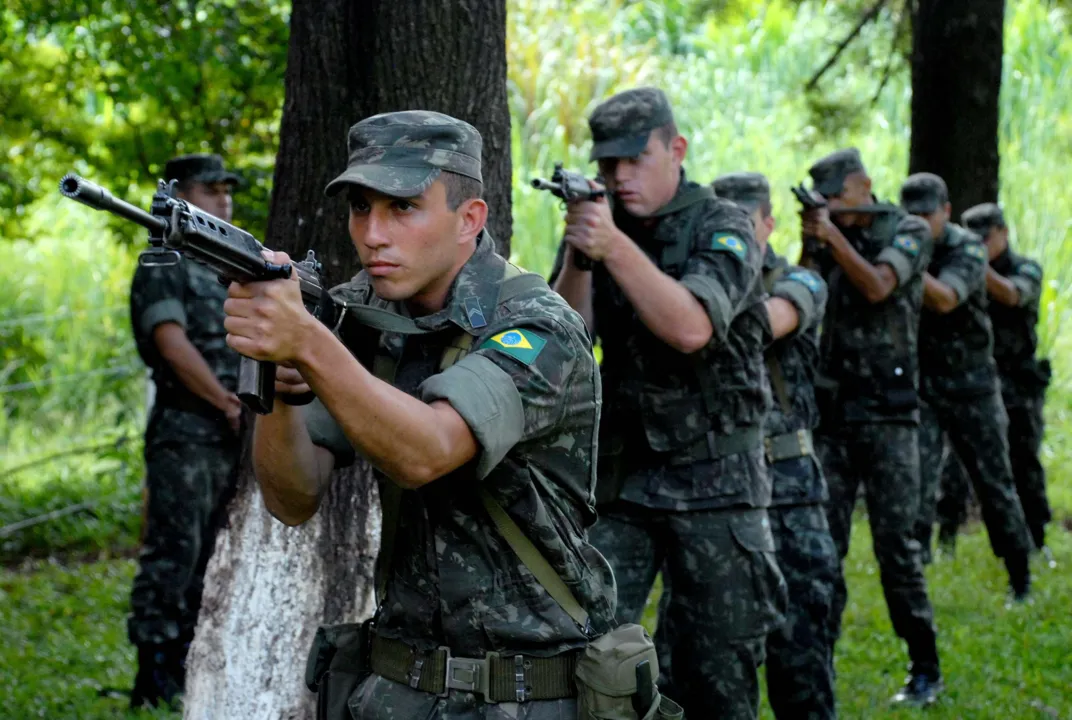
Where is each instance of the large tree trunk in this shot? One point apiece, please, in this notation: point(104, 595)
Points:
point(957, 48)
point(269, 586)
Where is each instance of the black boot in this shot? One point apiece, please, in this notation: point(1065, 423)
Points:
point(921, 689)
point(159, 679)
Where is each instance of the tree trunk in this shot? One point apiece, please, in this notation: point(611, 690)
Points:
point(957, 48)
point(269, 586)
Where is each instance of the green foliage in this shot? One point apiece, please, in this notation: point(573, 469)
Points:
point(113, 89)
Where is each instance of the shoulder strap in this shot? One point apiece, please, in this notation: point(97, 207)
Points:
point(533, 559)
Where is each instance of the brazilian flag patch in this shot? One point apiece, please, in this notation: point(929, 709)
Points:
point(725, 242)
point(523, 345)
point(907, 243)
point(976, 250)
point(806, 279)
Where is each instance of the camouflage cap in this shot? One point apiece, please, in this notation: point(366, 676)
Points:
point(402, 153)
point(199, 167)
point(828, 174)
point(750, 190)
point(980, 219)
point(923, 193)
point(622, 124)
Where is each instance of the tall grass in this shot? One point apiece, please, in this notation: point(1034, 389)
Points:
point(736, 82)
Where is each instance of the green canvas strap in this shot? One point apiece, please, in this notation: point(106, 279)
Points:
point(533, 559)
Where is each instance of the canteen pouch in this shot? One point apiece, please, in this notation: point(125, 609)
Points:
point(606, 676)
point(337, 663)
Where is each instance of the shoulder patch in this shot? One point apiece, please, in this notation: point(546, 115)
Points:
point(1031, 270)
point(908, 244)
point(523, 345)
point(976, 250)
point(728, 242)
point(806, 279)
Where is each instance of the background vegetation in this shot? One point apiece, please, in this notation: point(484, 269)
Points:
point(80, 91)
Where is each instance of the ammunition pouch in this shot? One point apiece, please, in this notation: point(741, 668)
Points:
point(338, 662)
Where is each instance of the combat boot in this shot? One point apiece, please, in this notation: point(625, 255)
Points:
point(159, 678)
point(920, 690)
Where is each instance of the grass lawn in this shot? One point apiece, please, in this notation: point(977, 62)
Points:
point(63, 639)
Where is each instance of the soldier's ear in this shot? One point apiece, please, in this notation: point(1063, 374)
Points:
point(678, 147)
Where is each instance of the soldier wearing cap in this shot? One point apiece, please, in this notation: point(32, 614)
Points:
point(959, 382)
point(674, 296)
point(1014, 284)
point(873, 257)
point(800, 681)
point(484, 395)
point(191, 440)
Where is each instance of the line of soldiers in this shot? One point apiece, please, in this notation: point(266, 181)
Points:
point(731, 435)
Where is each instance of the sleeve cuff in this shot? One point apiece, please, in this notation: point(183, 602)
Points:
point(324, 431)
point(902, 266)
point(957, 283)
point(1028, 290)
point(715, 301)
point(487, 399)
point(162, 311)
point(802, 300)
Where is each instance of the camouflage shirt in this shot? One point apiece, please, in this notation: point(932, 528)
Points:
point(869, 350)
point(1015, 336)
point(956, 348)
point(190, 295)
point(530, 393)
point(791, 364)
point(655, 396)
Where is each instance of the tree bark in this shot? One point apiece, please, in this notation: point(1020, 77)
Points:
point(269, 586)
point(957, 48)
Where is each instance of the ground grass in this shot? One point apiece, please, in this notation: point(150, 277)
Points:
point(63, 639)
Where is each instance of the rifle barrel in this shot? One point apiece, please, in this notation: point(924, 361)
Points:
point(96, 197)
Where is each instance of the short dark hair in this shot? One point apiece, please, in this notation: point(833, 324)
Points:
point(460, 188)
point(666, 133)
point(765, 209)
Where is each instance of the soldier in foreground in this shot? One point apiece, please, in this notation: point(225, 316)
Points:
point(191, 440)
point(674, 296)
point(1013, 284)
point(959, 382)
point(488, 396)
point(800, 680)
point(873, 262)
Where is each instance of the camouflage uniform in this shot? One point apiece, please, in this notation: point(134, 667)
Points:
point(959, 387)
point(1023, 379)
point(191, 452)
point(530, 394)
point(868, 399)
point(681, 475)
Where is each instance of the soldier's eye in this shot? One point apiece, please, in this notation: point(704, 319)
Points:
point(403, 205)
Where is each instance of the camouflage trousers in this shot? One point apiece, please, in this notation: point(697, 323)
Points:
point(800, 676)
point(727, 595)
point(378, 698)
point(884, 458)
point(1026, 428)
point(187, 482)
point(977, 429)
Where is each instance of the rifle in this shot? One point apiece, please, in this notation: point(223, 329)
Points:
point(810, 200)
point(179, 229)
point(570, 187)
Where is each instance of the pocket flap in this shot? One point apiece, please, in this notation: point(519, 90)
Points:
point(752, 531)
point(608, 663)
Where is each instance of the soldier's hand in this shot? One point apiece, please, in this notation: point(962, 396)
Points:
point(817, 223)
point(289, 381)
point(233, 411)
point(267, 320)
point(590, 227)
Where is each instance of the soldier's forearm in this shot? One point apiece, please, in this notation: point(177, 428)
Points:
point(784, 317)
point(938, 296)
point(291, 471)
point(189, 365)
point(875, 283)
point(1001, 290)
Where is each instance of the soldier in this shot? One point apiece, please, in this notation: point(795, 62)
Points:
point(674, 296)
point(872, 258)
point(1014, 284)
point(191, 440)
point(489, 397)
point(959, 383)
point(800, 682)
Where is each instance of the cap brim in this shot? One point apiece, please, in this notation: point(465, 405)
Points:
point(623, 147)
point(924, 206)
point(400, 182)
point(217, 176)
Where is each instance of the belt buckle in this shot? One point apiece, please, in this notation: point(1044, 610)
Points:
point(802, 441)
point(466, 674)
